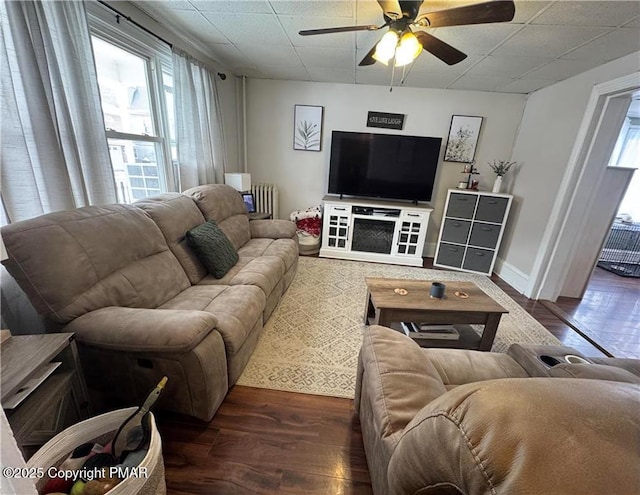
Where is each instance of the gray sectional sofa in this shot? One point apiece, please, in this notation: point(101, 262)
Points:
point(142, 305)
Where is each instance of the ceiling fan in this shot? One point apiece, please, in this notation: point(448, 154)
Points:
point(403, 42)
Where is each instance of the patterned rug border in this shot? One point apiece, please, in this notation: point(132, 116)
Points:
point(310, 343)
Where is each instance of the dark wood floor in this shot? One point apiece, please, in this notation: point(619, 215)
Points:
point(271, 442)
point(265, 442)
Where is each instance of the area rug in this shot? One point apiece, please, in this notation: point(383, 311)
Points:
point(311, 341)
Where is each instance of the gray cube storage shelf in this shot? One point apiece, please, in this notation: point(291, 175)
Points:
point(471, 230)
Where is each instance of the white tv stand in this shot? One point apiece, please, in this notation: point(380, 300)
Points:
point(372, 230)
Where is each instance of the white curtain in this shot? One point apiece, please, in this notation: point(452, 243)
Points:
point(199, 137)
point(54, 147)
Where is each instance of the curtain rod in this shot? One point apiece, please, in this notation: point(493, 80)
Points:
point(120, 14)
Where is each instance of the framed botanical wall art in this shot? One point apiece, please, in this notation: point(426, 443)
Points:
point(307, 127)
point(463, 139)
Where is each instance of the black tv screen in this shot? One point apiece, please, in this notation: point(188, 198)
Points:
point(383, 165)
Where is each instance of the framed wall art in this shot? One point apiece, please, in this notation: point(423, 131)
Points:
point(307, 127)
point(463, 139)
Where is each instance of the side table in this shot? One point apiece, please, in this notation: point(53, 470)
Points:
point(43, 389)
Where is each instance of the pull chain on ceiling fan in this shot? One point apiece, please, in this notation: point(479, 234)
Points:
point(404, 41)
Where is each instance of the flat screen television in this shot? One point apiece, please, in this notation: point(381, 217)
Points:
point(383, 165)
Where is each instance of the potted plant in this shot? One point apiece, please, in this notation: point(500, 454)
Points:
point(500, 168)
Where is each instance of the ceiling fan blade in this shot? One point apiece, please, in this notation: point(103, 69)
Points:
point(444, 51)
point(368, 58)
point(345, 29)
point(391, 7)
point(480, 13)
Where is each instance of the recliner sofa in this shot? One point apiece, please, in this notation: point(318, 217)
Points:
point(452, 421)
point(142, 305)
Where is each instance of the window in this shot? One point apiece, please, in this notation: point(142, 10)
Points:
point(136, 91)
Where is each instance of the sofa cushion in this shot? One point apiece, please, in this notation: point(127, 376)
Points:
point(264, 272)
point(175, 214)
point(76, 261)
point(213, 248)
point(285, 249)
point(224, 205)
point(459, 366)
point(399, 379)
point(236, 308)
point(532, 435)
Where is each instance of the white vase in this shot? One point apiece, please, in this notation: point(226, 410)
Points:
point(497, 184)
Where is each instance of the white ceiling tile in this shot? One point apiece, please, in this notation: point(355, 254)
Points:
point(589, 13)
point(546, 41)
point(315, 7)
point(562, 69)
point(293, 24)
point(615, 44)
point(375, 75)
point(523, 86)
point(477, 39)
point(259, 55)
point(166, 5)
point(479, 83)
point(429, 79)
point(230, 54)
point(287, 73)
point(248, 72)
point(233, 7)
point(194, 22)
point(507, 66)
point(526, 10)
point(324, 74)
point(633, 23)
point(249, 28)
point(323, 57)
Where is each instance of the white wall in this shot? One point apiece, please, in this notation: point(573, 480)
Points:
point(544, 144)
point(302, 175)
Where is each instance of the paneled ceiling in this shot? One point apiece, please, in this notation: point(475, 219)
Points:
point(546, 42)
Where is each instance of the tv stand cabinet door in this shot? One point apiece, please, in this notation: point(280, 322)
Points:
point(337, 227)
point(411, 230)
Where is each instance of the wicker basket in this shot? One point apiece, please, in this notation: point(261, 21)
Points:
point(101, 429)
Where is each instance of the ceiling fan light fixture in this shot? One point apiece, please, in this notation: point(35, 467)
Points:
point(408, 49)
point(386, 47)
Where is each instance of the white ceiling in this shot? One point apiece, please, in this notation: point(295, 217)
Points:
point(546, 42)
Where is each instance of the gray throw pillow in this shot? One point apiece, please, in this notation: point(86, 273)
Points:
point(213, 248)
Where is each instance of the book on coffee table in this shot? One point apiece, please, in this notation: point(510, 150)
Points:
point(420, 331)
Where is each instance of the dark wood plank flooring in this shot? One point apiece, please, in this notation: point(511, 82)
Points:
point(272, 442)
point(266, 441)
point(609, 312)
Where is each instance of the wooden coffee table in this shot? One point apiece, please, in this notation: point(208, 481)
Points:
point(386, 307)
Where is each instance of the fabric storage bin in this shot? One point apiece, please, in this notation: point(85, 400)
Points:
point(101, 429)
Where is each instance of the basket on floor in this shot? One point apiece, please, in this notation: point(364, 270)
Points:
point(101, 429)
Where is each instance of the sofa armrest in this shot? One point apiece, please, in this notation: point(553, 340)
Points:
point(142, 330)
point(272, 229)
point(593, 372)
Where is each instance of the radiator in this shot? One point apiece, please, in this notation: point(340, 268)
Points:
point(266, 198)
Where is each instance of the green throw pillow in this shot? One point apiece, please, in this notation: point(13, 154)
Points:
point(213, 248)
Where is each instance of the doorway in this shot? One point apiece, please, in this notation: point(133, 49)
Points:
point(621, 252)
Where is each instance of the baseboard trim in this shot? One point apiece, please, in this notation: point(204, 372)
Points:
point(511, 275)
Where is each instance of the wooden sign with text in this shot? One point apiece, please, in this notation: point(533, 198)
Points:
point(385, 120)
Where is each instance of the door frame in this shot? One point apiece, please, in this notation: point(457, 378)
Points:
point(594, 143)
